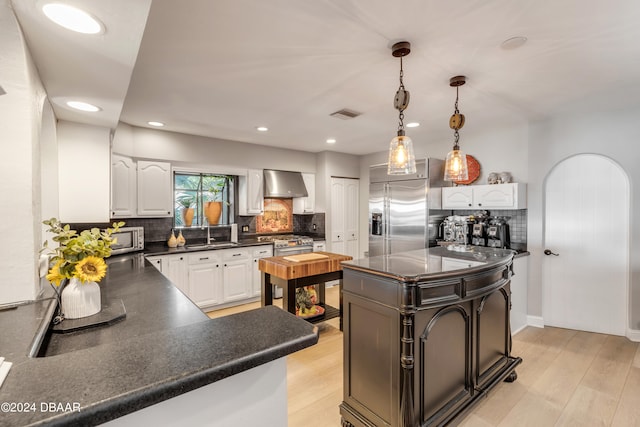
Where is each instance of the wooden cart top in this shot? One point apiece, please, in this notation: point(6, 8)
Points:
point(302, 265)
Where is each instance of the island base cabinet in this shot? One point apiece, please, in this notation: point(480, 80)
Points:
point(420, 365)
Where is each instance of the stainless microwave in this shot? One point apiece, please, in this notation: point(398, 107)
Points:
point(129, 239)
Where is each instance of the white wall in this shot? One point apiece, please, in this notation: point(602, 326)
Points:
point(615, 134)
point(195, 150)
point(20, 110)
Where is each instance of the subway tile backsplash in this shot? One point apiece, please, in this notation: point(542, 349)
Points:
point(517, 224)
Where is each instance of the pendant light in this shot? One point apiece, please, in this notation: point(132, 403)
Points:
point(455, 166)
point(401, 158)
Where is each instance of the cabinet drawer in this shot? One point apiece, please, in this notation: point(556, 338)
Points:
point(234, 254)
point(263, 252)
point(204, 257)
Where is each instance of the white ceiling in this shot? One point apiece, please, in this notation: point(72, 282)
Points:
point(220, 68)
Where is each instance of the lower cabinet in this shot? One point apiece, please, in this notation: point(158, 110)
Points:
point(216, 278)
point(256, 274)
point(205, 278)
point(236, 274)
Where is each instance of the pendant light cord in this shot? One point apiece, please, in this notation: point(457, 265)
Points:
point(456, 135)
point(401, 110)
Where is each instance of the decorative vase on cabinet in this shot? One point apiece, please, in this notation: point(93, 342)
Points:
point(80, 299)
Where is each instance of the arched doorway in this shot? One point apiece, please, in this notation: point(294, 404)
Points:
point(586, 223)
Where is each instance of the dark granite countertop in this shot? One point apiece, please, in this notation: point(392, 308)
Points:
point(163, 348)
point(431, 262)
point(161, 248)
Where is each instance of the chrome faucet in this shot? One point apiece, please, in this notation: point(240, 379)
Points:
point(209, 238)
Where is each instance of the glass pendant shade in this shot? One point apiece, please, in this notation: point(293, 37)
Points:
point(401, 158)
point(455, 166)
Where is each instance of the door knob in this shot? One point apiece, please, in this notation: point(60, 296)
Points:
point(548, 252)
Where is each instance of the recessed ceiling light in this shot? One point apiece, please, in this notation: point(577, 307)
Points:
point(72, 18)
point(513, 43)
point(156, 124)
point(83, 106)
point(331, 141)
point(412, 125)
point(262, 128)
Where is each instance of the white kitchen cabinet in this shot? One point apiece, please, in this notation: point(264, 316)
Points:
point(344, 216)
point(175, 268)
point(123, 187)
point(157, 261)
point(236, 274)
point(496, 196)
point(205, 278)
point(457, 197)
point(306, 205)
point(258, 252)
point(251, 191)
point(155, 189)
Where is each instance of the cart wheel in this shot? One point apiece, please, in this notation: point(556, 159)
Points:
point(511, 377)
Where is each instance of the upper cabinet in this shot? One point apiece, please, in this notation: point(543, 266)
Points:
point(123, 187)
point(495, 196)
point(306, 205)
point(155, 198)
point(250, 199)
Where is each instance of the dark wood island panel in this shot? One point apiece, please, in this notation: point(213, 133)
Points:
point(422, 344)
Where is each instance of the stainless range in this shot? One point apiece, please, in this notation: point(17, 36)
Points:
point(289, 244)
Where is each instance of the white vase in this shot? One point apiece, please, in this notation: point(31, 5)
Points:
point(80, 299)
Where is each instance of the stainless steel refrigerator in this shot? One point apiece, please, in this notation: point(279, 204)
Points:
point(404, 210)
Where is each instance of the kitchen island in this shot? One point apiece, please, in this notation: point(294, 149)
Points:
point(426, 335)
point(165, 362)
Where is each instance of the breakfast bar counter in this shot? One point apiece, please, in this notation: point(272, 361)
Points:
point(166, 361)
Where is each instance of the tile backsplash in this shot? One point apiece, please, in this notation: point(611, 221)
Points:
point(517, 224)
point(157, 229)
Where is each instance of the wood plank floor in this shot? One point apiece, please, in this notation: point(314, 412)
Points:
point(567, 378)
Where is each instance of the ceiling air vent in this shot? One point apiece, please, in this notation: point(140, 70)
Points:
point(345, 114)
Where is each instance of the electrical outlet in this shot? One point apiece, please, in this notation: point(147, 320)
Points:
point(245, 228)
point(314, 227)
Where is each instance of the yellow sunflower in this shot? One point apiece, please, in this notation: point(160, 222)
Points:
point(54, 276)
point(91, 269)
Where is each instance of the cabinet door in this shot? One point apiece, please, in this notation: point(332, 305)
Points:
point(155, 196)
point(123, 187)
point(337, 216)
point(237, 278)
point(256, 275)
point(251, 201)
point(457, 197)
point(351, 216)
point(175, 268)
point(305, 205)
point(494, 196)
point(157, 261)
point(205, 282)
point(501, 196)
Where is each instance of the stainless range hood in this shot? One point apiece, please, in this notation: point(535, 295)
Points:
point(284, 184)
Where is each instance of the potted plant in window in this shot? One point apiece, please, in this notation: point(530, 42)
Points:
point(213, 206)
point(187, 201)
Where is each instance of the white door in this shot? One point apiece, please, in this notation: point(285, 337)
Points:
point(585, 286)
point(337, 216)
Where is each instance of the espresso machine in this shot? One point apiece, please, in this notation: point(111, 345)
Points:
point(498, 233)
point(479, 229)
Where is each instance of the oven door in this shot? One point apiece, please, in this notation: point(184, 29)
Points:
point(292, 250)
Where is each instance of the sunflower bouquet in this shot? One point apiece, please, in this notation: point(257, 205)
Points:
point(79, 255)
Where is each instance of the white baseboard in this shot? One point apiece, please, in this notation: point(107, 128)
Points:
point(518, 330)
point(535, 321)
point(633, 335)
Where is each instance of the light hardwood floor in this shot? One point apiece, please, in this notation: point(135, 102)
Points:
point(567, 378)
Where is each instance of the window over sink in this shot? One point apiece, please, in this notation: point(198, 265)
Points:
point(202, 199)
